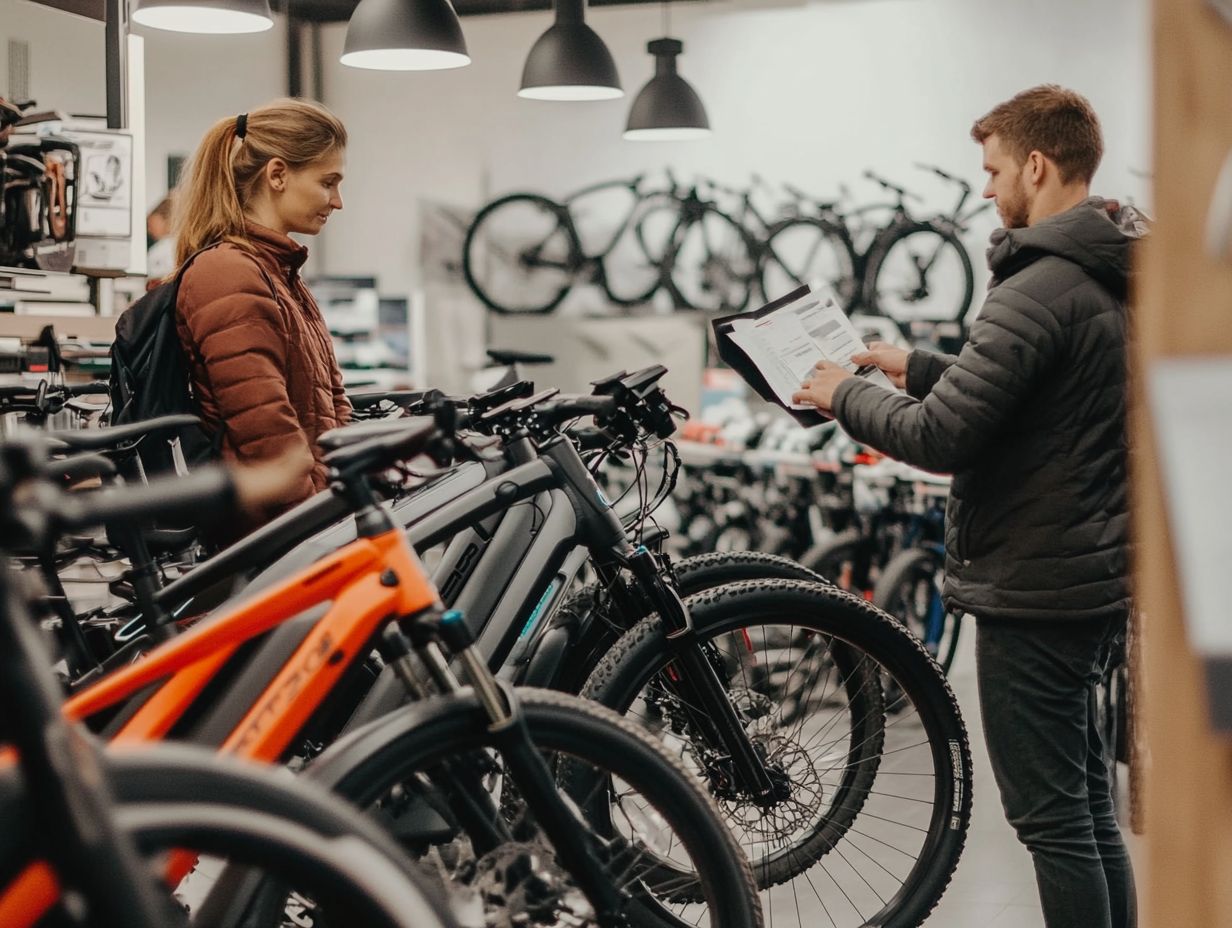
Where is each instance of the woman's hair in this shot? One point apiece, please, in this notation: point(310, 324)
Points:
point(224, 174)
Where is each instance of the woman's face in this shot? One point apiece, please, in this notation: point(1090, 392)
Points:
point(310, 194)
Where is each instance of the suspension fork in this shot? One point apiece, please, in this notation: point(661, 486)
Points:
point(573, 841)
point(718, 721)
point(461, 785)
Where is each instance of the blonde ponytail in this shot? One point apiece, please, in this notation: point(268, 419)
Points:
point(224, 173)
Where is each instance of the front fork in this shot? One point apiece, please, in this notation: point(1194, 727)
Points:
point(576, 848)
point(717, 720)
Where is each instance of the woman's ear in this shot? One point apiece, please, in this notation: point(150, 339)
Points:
point(276, 174)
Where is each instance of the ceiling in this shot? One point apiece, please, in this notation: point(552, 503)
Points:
point(340, 10)
point(330, 11)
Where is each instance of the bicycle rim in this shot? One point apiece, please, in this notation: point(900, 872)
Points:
point(520, 256)
point(639, 806)
point(922, 275)
point(807, 253)
point(712, 266)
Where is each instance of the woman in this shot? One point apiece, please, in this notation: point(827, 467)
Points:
point(263, 365)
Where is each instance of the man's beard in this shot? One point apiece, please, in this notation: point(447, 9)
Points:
point(1015, 211)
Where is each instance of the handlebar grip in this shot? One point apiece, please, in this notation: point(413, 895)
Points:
point(584, 406)
point(590, 439)
point(208, 490)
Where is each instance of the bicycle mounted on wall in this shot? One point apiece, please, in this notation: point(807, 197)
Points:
point(524, 253)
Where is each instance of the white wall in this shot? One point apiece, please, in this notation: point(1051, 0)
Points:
point(193, 80)
point(190, 80)
point(812, 93)
point(67, 68)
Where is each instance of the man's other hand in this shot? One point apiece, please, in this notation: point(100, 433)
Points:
point(891, 360)
point(819, 389)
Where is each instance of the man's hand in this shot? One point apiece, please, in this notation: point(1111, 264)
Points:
point(819, 389)
point(891, 360)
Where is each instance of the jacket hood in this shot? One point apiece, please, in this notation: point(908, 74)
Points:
point(1097, 234)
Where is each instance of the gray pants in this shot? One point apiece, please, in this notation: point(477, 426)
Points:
point(1037, 697)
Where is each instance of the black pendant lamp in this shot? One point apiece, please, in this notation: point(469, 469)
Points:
point(668, 109)
point(215, 17)
point(570, 61)
point(404, 35)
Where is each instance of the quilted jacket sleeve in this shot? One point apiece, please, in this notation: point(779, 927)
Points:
point(1013, 344)
point(924, 369)
point(239, 333)
point(342, 405)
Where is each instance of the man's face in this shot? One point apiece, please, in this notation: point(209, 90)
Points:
point(1007, 184)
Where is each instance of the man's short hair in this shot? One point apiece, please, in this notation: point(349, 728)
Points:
point(1058, 123)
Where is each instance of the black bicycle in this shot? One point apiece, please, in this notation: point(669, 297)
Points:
point(912, 269)
point(524, 252)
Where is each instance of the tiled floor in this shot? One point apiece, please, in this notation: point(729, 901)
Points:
point(994, 886)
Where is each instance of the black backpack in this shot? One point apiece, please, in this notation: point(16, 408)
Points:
point(150, 377)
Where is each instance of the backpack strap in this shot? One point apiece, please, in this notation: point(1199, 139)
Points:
point(269, 281)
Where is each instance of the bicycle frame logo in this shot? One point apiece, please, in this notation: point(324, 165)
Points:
point(276, 705)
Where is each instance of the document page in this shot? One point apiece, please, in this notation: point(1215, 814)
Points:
point(787, 343)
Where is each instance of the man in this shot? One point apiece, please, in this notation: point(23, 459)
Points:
point(1030, 420)
point(160, 244)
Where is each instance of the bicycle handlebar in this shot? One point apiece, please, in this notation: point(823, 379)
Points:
point(572, 407)
point(210, 489)
point(898, 191)
point(944, 175)
point(13, 391)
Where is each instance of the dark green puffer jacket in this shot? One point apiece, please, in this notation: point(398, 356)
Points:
point(1030, 420)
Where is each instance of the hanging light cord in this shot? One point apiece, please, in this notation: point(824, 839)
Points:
point(667, 18)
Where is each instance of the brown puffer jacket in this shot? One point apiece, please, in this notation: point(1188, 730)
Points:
point(263, 364)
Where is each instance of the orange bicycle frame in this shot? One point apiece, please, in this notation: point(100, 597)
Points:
point(367, 583)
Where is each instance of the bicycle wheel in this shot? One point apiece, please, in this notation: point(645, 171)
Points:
point(836, 561)
point(920, 272)
point(245, 822)
point(710, 264)
point(521, 254)
point(802, 251)
point(589, 609)
point(639, 805)
point(909, 588)
point(845, 849)
point(633, 265)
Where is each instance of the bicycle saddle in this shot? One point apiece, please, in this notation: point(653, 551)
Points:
point(110, 437)
point(397, 397)
point(501, 356)
point(357, 432)
point(382, 448)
